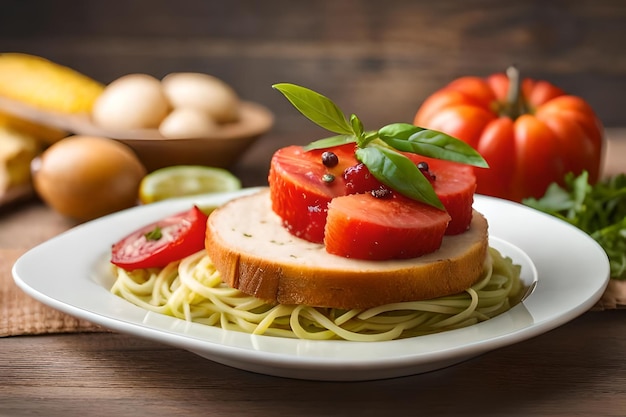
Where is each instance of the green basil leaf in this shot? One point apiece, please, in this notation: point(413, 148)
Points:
point(357, 125)
point(316, 107)
point(364, 140)
point(330, 142)
point(431, 143)
point(399, 173)
point(398, 131)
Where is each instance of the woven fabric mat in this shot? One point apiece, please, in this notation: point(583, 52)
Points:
point(614, 296)
point(22, 315)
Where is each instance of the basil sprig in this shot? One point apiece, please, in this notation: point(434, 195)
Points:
point(380, 150)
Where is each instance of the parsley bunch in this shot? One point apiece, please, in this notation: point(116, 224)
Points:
point(599, 210)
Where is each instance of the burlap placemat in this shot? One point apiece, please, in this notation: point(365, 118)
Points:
point(614, 296)
point(22, 315)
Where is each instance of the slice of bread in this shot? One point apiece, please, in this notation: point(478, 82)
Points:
point(255, 254)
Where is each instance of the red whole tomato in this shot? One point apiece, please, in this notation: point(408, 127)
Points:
point(530, 132)
point(162, 242)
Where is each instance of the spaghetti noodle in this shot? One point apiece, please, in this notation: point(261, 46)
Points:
point(192, 289)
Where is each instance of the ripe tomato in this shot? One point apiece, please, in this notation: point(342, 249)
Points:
point(530, 132)
point(300, 196)
point(455, 185)
point(162, 242)
point(345, 216)
point(361, 226)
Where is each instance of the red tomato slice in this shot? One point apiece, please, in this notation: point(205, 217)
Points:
point(162, 242)
point(299, 192)
point(455, 185)
point(382, 229)
point(365, 227)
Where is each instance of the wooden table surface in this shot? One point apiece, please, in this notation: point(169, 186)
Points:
point(578, 369)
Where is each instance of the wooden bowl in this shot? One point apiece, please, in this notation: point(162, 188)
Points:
point(220, 150)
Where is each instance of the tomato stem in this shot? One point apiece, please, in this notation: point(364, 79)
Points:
point(515, 105)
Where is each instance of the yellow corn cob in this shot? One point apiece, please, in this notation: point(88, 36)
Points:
point(46, 85)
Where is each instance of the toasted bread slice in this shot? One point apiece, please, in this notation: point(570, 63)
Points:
point(255, 254)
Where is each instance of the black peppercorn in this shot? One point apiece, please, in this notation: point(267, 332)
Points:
point(330, 159)
point(425, 169)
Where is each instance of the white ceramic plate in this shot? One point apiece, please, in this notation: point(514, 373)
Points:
point(567, 269)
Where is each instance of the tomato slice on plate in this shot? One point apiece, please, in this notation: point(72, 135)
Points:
point(299, 193)
point(362, 226)
point(162, 242)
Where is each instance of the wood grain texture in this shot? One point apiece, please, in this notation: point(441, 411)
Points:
point(377, 59)
point(576, 370)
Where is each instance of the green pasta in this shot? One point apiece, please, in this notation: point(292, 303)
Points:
point(192, 289)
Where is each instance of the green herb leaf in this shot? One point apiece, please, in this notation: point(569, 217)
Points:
point(316, 107)
point(431, 143)
point(399, 173)
point(357, 126)
point(599, 210)
point(378, 149)
point(330, 142)
point(613, 240)
point(398, 130)
point(154, 234)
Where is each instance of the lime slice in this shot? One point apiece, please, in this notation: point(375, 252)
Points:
point(185, 180)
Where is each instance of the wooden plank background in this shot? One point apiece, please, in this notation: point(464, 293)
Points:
point(378, 59)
